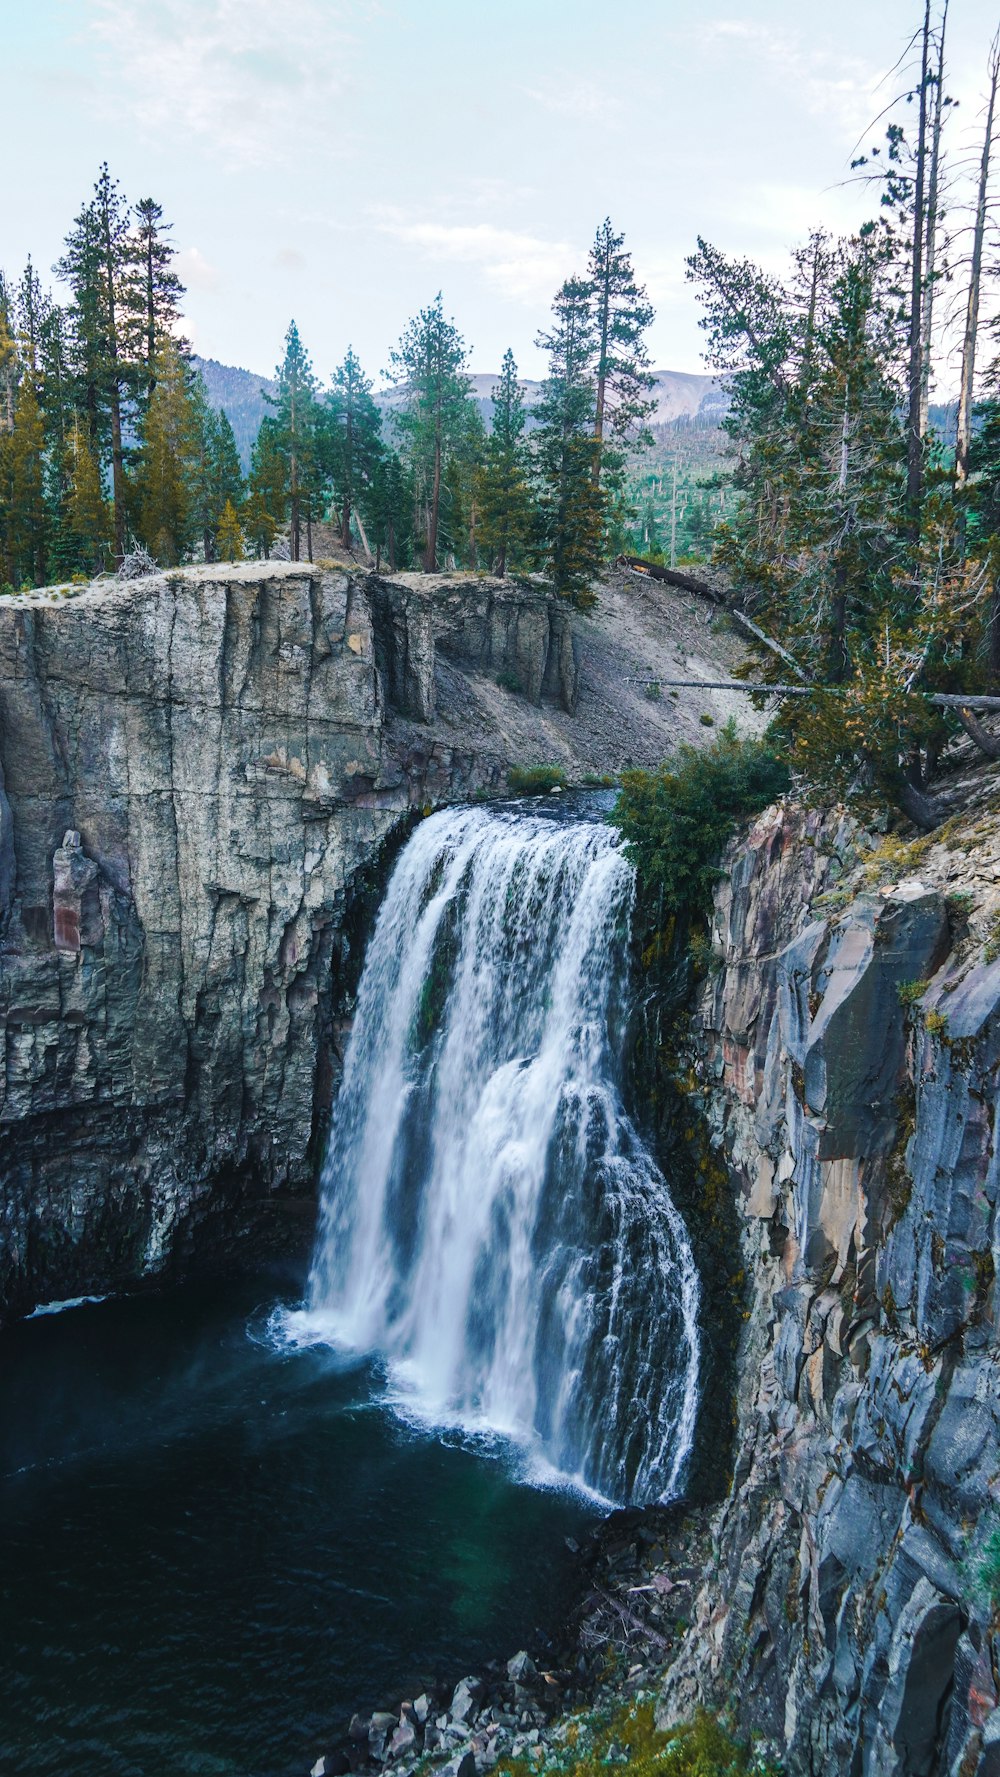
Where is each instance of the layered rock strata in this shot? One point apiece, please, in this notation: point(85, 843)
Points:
point(849, 1047)
point(196, 770)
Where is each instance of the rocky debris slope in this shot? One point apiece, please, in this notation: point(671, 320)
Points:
point(849, 1050)
point(636, 1575)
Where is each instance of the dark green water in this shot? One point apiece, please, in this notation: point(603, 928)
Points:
point(212, 1551)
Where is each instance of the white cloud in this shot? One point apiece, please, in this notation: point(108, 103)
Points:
point(194, 269)
point(521, 266)
point(250, 76)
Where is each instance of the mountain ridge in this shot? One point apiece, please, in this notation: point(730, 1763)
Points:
point(679, 395)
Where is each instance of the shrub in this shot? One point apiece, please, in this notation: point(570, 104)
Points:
point(698, 1748)
point(653, 690)
point(910, 992)
point(534, 780)
point(677, 820)
point(706, 720)
point(509, 681)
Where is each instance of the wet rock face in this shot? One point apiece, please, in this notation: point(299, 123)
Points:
point(847, 1611)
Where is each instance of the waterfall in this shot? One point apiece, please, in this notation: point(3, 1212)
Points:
point(492, 1225)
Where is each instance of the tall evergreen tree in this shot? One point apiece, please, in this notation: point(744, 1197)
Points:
point(508, 514)
point(156, 289)
point(572, 502)
point(431, 361)
point(622, 315)
point(389, 510)
point(267, 495)
point(354, 430)
point(169, 446)
point(96, 266)
point(296, 417)
point(27, 518)
point(88, 525)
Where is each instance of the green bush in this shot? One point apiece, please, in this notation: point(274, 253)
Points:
point(911, 992)
point(509, 681)
point(677, 820)
point(534, 780)
point(630, 1738)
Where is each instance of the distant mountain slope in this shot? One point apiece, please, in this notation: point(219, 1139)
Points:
point(241, 393)
point(679, 395)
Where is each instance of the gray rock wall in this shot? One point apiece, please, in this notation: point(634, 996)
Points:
point(848, 1613)
point(192, 766)
point(196, 772)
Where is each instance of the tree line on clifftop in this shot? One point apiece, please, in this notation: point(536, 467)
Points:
point(863, 545)
point(107, 439)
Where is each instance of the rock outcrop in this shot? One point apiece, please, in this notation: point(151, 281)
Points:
point(196, 770)
point(849, 1052)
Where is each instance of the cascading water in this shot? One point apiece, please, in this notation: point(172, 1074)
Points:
point(492, 1224)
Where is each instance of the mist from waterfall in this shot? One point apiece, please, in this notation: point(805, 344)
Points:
point(492, 1225)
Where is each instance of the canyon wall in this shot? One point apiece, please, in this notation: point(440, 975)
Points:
point(847, 1048)
point(196, 772)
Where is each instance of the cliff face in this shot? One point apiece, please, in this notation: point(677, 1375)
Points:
point(195, 772)
point(849, 1612)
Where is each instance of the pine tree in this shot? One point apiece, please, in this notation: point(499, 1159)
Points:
point(229, 535)
point(389, 510)
point(87, 520)
point(296, 419)
point(217, 474)
point(572, 502)
point(169, 446)
point(354, 427)
point(508, 513)
point(27, 520)
point(155, 288)
point(267, 496)
point(8, 357)
point(96, 265)
point(622, 315)
point(431, 360)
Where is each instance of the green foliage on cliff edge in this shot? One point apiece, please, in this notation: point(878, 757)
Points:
point(676, 821)
point(630, 1738)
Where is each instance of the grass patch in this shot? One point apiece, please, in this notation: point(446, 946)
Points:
point(535, 780)
point(629, 1737)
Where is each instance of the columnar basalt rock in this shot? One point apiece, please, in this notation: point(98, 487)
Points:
point(847, 1612)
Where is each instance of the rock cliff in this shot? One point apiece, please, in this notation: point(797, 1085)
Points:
point(198, 772)
point(848, 1044)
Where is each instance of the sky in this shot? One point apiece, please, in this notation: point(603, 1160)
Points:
point(340, 161)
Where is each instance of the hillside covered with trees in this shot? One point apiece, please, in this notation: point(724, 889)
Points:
point(857, 525)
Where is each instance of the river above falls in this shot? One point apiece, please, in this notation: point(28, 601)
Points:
point(212, 1551)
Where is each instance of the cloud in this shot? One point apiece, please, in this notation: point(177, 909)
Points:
point(521, 266)
point(289, 259)
point(248, 76)
point(194, 269)
point(585, 100)
point(823, 81)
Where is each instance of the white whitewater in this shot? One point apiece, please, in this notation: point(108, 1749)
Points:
point(492, 1224)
